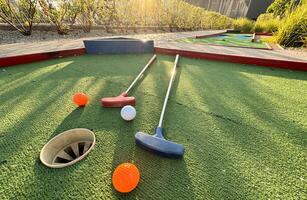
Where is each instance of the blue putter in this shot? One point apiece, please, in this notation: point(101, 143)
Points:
point(157, 143)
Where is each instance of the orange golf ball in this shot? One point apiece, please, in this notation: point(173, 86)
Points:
point(80, 99)
point(126, 177)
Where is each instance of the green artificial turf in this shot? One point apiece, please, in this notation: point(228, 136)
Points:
point(240, 40)
point(244, 129)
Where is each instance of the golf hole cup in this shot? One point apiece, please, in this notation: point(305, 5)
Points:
point(128, 113)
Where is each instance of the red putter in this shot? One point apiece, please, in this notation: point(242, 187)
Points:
point(123, 99)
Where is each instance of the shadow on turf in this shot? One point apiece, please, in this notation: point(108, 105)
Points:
point(23, 141)
point(268, 71)
point(101, 120)
point(258, 103)
point(207, 153)
point(258, 146)
point(25, 122)
point(211, 173)
point(45, 182)
point(69, 122)
point(161, 178)
point(246, 95)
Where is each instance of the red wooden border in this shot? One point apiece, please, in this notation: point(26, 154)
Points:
point(216, 34)
point(257, 33)
point(210, 35)
point(29, 58)
point(221, 45)
point(264, 33)
point(293, 65)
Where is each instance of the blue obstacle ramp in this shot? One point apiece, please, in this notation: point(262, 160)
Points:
point(118, 46)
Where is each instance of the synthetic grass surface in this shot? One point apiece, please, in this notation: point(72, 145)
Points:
point(240, 40)
point(243, 127)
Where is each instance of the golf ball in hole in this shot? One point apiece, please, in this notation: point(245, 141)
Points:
point(128, 113)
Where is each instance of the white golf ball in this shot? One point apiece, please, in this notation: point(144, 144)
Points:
point(128, 113)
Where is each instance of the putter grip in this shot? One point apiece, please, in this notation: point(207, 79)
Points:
point(159, 132)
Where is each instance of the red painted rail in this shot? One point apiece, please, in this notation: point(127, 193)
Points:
point(210, 35)
point(29, 58)
point(285, 64)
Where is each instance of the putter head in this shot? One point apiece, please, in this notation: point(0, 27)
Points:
point(119, 101)
point(158, 145)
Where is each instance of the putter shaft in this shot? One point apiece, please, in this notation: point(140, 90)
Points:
point(168, 91)
point(141, 73)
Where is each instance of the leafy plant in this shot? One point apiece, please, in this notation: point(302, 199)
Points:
point(293, 31)
point(181, 15)
point(107, 14)
point(267, 23)
point(19, 14)
point(84, 12)
point(243, 25)
point(57, 12)
point(175, 14)
point(279, 8)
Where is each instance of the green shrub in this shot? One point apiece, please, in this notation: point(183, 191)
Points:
point(258, 28)
point(243, 25)
point(280, 8)
point(58, 13)
point(107, 14)
point(19, 14)
point(181, 15)
point(271, 26)
point(84, 12)
point(175, 14)
point(293, 30)
point(267, 23)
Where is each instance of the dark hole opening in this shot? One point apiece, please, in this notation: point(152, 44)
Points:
point(61, 160)
point(81, 148)
point(70, 152)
